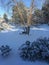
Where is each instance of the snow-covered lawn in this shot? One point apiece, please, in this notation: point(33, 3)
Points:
point(15, 39)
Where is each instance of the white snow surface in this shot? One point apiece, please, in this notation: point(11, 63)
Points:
point(15, 39)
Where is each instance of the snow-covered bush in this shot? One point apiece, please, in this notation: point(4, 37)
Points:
point(37, 50)
point(5, 50)
point(25, 50)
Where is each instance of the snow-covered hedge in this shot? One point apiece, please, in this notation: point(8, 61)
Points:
point(37, 50)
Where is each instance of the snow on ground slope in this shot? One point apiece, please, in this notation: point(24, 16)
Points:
point(14, 39)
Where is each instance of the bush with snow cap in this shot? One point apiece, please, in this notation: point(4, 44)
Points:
point(37, 50)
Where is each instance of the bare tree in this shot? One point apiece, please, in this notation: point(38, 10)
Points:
point(29, 11)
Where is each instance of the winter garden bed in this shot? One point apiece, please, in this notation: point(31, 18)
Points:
point(14, 40)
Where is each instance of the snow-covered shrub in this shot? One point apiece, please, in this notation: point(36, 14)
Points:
point(5, 50)
point(37, 50)
point(25, 50)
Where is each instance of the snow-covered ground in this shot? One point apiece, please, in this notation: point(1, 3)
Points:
point(14, 39)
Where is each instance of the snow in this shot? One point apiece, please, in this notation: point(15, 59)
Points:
point(15, 39)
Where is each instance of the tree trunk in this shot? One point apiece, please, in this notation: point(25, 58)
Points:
point(26, 30)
